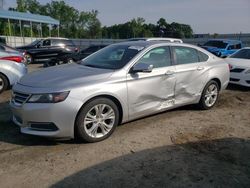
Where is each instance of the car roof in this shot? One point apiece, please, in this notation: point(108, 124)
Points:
point(157, 39)
point(226, 40)
point(58, 38)
point(151, 43)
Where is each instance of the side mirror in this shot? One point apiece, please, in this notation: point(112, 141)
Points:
point(141, 67)
point(38, 45)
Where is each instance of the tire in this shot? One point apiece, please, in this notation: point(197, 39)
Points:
point(4, 84)
point(29, 58)
point(91, 124)
point(209, 95)
point(69, 61)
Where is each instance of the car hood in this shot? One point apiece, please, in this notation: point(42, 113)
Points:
point(238, 62)
point(65, 76)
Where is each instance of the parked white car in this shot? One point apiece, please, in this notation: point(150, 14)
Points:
point(240, 67)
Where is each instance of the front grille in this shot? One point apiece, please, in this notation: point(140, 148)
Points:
point(234, 79)
point(238, 70)
point(20, 98)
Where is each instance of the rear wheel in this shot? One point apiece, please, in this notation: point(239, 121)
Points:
point(209, 95)
point(4, 84)
point(70, 60)
point(97, 120)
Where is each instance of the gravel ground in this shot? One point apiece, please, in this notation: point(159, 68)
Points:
point(184, 147)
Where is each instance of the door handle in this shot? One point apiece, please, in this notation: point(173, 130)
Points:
point(200, 68)
point(169, 73)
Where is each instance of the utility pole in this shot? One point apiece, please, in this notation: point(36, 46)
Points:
point(1, 4)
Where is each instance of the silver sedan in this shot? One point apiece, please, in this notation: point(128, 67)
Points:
point(117, 84)
point(12, 68)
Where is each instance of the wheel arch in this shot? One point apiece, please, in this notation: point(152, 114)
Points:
point(7, 78)
point(217, 80)
point(111, 97)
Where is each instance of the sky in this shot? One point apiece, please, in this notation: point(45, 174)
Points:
point(204, 16)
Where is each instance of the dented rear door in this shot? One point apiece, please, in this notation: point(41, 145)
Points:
point(190, 74)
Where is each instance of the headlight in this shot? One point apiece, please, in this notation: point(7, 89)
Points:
point(48, 97)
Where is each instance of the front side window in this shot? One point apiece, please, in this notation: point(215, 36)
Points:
point(185, 55)
point(234, 47)
point(112, 57)
point(158, 57)
point(46, 43)
point(242, 54)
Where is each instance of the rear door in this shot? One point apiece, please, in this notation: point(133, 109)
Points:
point(190, 72)
point(154, 91)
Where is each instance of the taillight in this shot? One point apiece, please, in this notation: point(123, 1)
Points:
point(18, 59)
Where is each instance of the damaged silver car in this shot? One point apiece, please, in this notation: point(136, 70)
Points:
point(117, 84)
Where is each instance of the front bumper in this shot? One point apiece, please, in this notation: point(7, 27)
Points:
point(50, 120)
point(240, 79)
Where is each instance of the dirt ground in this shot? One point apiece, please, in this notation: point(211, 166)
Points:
point(184, 147)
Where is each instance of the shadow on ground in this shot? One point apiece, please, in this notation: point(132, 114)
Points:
point(213, 163)
point(238, 88)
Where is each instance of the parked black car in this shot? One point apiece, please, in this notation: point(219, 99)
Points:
point(74, 57)
point(82, 53)
point(43, 50)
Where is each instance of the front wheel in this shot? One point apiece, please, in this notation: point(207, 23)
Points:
point(209, 95)
point(3, 83)
point(97, 120)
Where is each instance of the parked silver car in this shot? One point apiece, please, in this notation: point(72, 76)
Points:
point(12, 68)
point(117, 84)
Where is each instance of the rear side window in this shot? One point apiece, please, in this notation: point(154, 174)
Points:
point(185, 55)
point(62, 42)
point(234, 47)
point(202, 56)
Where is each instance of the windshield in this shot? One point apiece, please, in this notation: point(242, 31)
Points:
point(242, 54)
point(216, 43)
point(112, 57)
point(35, 42)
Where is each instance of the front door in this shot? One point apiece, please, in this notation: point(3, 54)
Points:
point(153, 91)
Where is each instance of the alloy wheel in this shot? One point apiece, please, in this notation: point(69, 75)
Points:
point(99, 120)
point(211, 95)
